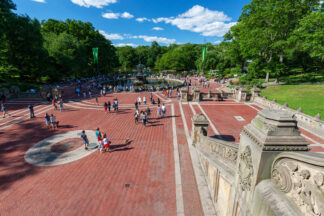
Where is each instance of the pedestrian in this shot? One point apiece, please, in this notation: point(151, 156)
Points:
point(97, 102)
point(158, 101)
point(31, 111)
point(144, 100)
point(158, 111)
point(148, 112)
point(53, 121)
point(90, 94)
point(139, 100)
point(109, 106)
point(151, 97)
point(54, 104)
point(4, 110)
point(99, 138)
point(116, 104)
point(85, 140)
point(178, 95)
point(106, 142)
point(61, 105)
point(136, 116)
point(143, 117)
point(136, 105)
point(105, 107)
point(163, 111)
point(47, 120)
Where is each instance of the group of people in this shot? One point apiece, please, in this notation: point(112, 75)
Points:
point(50, 121)
point(107, 106)
point(103, 141)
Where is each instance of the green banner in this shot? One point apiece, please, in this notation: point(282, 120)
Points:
point(204, 52)
point(95, 55)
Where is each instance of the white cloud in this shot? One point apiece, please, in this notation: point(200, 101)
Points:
point(218, 42)
point(111, 15)
point(142, 19)
point(154, 38)
point(111, 36)
point(125, 44)
point(157, 28)
point(127, 15)
point(41, 1)
point(93, 3)
point(201, 20)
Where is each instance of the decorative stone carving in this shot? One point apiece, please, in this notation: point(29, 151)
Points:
point(246, 169)
point(302, 181)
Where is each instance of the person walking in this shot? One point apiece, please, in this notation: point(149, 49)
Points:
point(106, 143)
point(158, 111)
point(143, 117)
point(158, 101)
point(136, 105)
point(148, 112)
point(31, 111)
point(47, 120)
point(105, 107)
point(136, 116)
point(53, 122)
point(178, 95)
point(61, 105)
point(85, 140)
point(99, 138)
point(4, 110)
point(90, 94)
point(97, 102)
point(163, 111)
point(54, 104)
point(84, 94)
point(144, 100)
point(116, 104)
point(139, 100)
point(151, 97)
point(109, 106)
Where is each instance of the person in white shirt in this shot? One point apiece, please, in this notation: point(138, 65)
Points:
point(139, 100)
point(163, 111)
point(144, 100)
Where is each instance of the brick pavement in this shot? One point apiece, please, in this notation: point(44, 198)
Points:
point(95, 185)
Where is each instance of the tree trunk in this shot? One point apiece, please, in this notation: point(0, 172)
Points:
point(267, 77)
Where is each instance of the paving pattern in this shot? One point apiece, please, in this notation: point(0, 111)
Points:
point(137, 178)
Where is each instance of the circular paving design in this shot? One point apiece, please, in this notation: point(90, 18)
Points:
point(61, 149)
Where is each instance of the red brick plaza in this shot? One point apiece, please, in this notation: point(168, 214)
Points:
point(150, 175)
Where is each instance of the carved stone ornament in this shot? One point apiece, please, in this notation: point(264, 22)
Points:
point(302, 184)
point(245, 169)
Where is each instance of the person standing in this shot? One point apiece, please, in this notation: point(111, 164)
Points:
point(31, 111)
point(148, 112)
point(84, 94)
point(90, 94)
point(85, 140)
point(158, 101)
point(151, 97)
point(54, 104)
point(143, 117)
point(109, 106)
point(97, 102)
point(163, 111)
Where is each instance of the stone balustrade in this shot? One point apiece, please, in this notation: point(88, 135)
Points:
point(270, 172)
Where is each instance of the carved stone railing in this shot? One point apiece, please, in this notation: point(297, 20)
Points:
point(316, 125)
point(301, 177)
point(219, 150)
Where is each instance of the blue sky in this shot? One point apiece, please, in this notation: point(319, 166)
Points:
point(139, 22)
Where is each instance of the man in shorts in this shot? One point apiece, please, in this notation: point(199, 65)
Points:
point(85, 140)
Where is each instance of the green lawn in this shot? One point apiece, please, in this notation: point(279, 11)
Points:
point(309, 97)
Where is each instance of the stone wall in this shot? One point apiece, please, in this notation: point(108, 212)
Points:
point(315, 124)
point(270, 172)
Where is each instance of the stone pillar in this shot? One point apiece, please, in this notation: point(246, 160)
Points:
point(242, 94)
point(199, 126)
point(255, 92)
point(184, 94)
point(196, 95)
point(270, 133)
